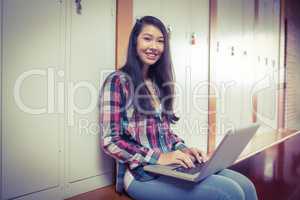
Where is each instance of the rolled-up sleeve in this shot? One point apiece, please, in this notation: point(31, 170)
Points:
point(177, 142)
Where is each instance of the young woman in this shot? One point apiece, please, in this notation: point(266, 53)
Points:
point(136, 109)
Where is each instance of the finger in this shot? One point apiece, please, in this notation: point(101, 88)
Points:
point(203, 155)
point(190, 154)
point(181, 163)
point(186, 159)
point(192, 157)
point(197, 155)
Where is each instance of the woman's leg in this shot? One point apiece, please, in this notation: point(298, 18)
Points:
point(243, 181)
point(214, 187)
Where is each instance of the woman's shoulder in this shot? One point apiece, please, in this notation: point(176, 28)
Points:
point(118, 78)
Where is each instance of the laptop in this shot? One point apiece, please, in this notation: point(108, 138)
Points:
point(224, 156)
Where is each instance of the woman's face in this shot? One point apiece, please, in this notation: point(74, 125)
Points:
point(150, 45)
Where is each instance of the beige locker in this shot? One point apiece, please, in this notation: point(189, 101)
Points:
point(30, 129)
point(53, 62)
point(267, 67)
point(91, 56)
point(230, 64)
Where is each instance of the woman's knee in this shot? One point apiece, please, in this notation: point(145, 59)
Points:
point(220, 187)
point(245, 183)
point(214, 187)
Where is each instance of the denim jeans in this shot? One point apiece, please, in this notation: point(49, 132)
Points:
point(225, 185)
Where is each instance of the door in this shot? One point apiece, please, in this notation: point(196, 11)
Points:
point(53, 63)
point(90, 57)
point(31, 128)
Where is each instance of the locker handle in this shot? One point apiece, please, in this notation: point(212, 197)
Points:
point(232, 51)
point(78, 6)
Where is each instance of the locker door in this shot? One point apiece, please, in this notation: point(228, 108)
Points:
point(267, 67)
point(31, 127)
point(229, 65)
point(91, 56)
point(247, 60)
point(197, 115)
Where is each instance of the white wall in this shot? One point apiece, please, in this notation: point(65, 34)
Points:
point(54, 152)
point(190, 61)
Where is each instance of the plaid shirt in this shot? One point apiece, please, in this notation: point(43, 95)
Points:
point(133, 140)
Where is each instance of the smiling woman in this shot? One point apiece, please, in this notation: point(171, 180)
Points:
point(136, 110)
point(150, 45)
point(148, 60)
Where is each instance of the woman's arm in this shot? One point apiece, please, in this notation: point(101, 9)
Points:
point(177, 142)
point(112, 105)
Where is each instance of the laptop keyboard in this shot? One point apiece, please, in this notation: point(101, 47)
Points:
point(192, 170)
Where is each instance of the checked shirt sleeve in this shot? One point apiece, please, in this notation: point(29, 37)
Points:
point(176, 141)
point(113, 142)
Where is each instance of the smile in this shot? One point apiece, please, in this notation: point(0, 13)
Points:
point(151, 56)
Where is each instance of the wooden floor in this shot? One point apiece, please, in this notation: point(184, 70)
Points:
point(106, 193)
point(271, 161)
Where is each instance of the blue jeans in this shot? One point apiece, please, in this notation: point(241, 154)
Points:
point(225, 185)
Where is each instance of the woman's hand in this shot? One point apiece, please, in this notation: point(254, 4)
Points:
point(195, 154)
point(176, 157)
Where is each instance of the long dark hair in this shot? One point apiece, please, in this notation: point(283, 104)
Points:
point(161, 73)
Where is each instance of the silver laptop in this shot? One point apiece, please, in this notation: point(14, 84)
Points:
point(224, 156)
